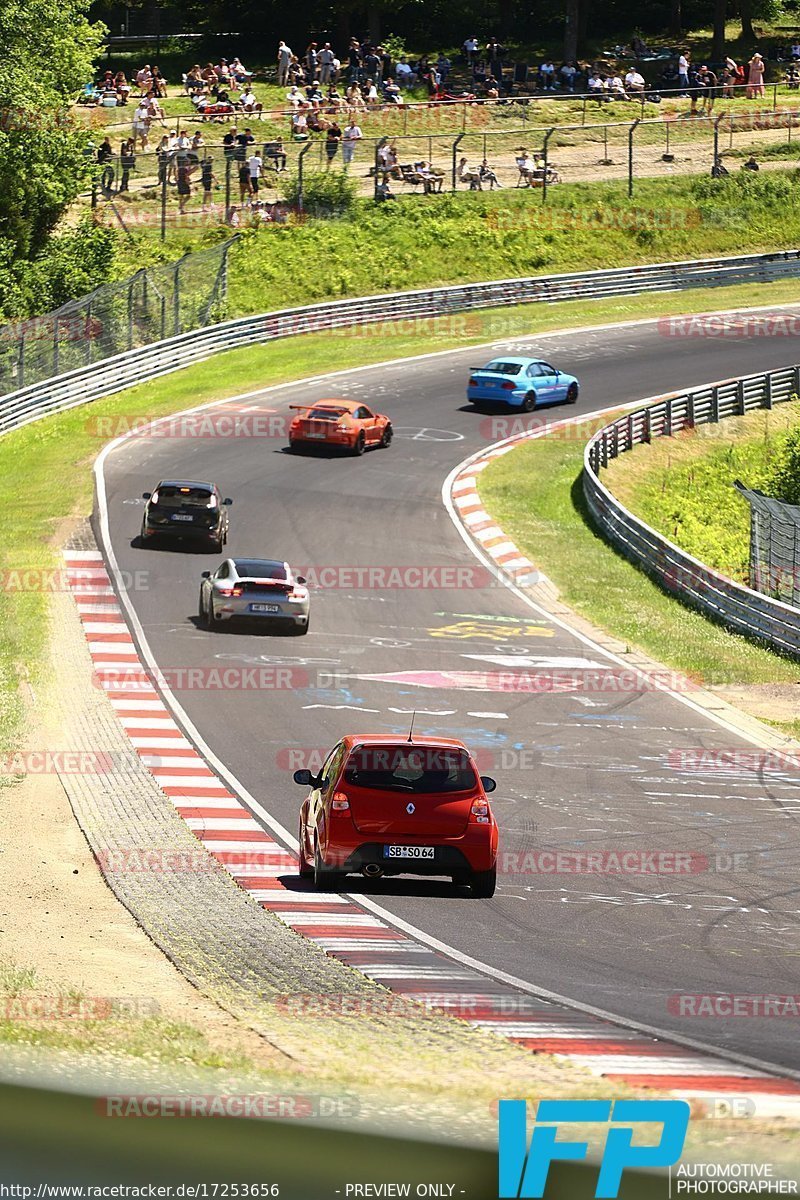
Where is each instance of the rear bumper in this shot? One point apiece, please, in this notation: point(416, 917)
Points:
point(174, 530)
point(476, 850)
point(344, 441)
point(236, 610)
point(496, 396)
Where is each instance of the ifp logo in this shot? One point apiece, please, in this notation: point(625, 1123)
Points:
point(523, 1172)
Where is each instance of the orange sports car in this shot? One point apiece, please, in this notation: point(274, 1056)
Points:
point(348, 424)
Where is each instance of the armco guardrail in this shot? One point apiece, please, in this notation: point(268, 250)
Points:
point(136, 366)
point(737, 606)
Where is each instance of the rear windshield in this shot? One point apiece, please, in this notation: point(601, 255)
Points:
point(503, 368)
point(260, 570)
point(324, 414)
point(170, 496)
point(409, 769)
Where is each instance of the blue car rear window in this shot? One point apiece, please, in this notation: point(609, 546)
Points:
point(504, 368)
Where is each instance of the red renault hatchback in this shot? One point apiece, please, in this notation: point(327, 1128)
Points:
point(381, 806)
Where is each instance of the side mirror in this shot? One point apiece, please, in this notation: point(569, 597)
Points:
point(146, 495)
point(205, 575)
point(302, 579)
point(227, 500)
point(302, 777)
point(488, 783)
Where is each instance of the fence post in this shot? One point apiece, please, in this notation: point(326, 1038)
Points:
point(300, 158)
point(89, 331)
point(545, 150)
point(164, 205)
point(455, 148)
point(176, 297)
point(227, 188)
point(631, 132)
point(716, 142)
point(583, 114)
point(130, 309)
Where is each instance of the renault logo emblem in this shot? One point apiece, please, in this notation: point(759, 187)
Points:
point(410, 809)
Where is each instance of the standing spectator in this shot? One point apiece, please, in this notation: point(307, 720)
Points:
point(494, 56)
point(404, 73)
point(163, 157)
point(243, 143)
point(105, 156)
point(353, 61)
point(387, 67)
point(710, 83)
point(350, 137)
point(372, 64)
point(471, 51)
point(312, 62)
point(325, 60)
point(255, 165)
point(183, 178)
point(127, 162)
point(284, 58)
point(443, 66)
point(244, 181)
point(755, 77)
point(229, 144)
point(141, 124)
point(208, 179)
point(332, 141)
point(683, 73)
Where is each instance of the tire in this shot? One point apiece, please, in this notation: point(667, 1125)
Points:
point(483, 883)
point(388, 434)
point(360, 445)
point(304, 868)
point(301, 630)
point(217, 544)
point(204, 617)
point(294, 447)
point(572, 393)
point(325, 881)
point(461, 879)
point(529, 403)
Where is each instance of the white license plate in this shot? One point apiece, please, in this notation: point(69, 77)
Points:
point(408, 851)
point(265, 608)
point(316, 435)
point(182, 517)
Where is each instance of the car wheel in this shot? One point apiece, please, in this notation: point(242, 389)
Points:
point(304, 867)
point(529, 403)
point(360, 444)
point(483, 883)
point(461, 879)
point(324, 880)
point(388, 434)
point(294, 447)
point(301, 630)
point(203, 615)
point(572, 393)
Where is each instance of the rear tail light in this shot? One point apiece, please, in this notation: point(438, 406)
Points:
point(235, 591)
point(473, 383)
point(508, 386)
point(480, 812)
point(340, 803)
point(297, 597)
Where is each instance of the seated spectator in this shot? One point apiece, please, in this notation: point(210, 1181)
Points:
point(796, 50)
point(300, 124)
point(750, 164)
point(158, 84)
point(194, 81)
point(391, 92)
point(297, 74)
point(238, 71)
point(566, 77)
point(384, 192)
point(294, 96)
point(404, 74)
point(432, 178)
point(596, 85)
point(314, 93)
point(525, 165)
point(248, 102)
point(634, 83)
point(488, 176)
point(353, 97)
point(122, 86)
point(491, 88)
point(223, 73)
point(791, 78)
point(144, 77)
point(443, 66)
point(369, 93)
point(638, 47)
point(209, 77)
point(316, 121)
point(470, 175)
point(547, 76)
point(615, 88)
point(275, 153)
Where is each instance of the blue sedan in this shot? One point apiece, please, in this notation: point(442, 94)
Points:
point(524, 383)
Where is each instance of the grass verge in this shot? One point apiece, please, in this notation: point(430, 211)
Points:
point(45, 474)
point(535, 495)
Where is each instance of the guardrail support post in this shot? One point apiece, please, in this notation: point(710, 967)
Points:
point(55, 344)
point(768, 392)
point(690, 410)
point(648, 425)
point(21, 361)
point(740, 403)
point(796, 381)
point(131, 286)
point(455, 148)
point(668, 418)
point(714, 415)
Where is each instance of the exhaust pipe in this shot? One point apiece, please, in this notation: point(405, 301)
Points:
point(372, 870)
